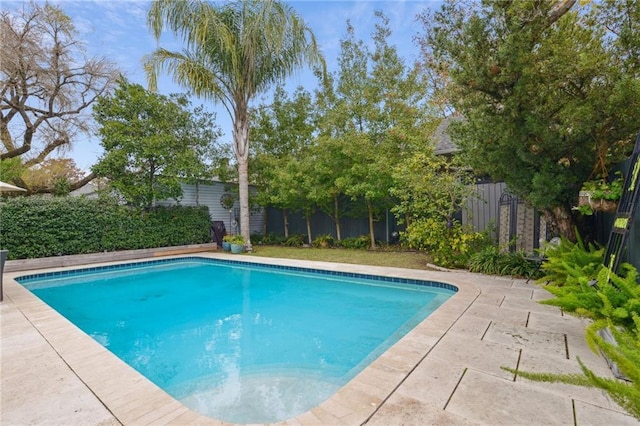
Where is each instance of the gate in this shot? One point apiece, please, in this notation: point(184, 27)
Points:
point(519, 226)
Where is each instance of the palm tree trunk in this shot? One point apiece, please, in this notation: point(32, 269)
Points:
point(241, 142)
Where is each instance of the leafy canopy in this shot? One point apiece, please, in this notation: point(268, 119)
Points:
point(233, 51)
point(152, 143)
point(550, 93)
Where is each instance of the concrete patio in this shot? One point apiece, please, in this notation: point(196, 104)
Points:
point(448, 370)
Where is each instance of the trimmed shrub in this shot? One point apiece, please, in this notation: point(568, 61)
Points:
point(361, 242)
point(41, 226)
point(449, 246)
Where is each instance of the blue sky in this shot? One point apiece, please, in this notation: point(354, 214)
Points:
point(116, 29)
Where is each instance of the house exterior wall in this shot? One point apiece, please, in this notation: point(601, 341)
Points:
point(209, 194)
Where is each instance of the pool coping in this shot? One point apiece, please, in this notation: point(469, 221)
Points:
point(133, 399)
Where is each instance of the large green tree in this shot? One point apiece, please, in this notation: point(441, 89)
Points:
point(233, 51)
point(152, 143)
point(380, 117)
point(281, 134)
point(549, 91)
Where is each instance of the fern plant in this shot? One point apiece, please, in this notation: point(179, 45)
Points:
point(571, 260)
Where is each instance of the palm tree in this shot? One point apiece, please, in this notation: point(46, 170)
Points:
point(233, 51)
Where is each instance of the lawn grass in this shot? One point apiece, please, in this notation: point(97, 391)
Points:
point(398, 259)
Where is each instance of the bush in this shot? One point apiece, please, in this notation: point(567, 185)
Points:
point(361, 242)
point(40, 227)
point(493, 261)
point(518, 265)
point(257, 238)
point(448, 246)
point(571, 259)
point(323, 241)
point(487, 261)
point(273, 239)
point(296, 240)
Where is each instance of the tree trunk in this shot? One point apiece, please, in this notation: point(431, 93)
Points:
point(152, 178)
point(336, 215)
point(371, 222)
point(561, 221)
point(241, 144)
point(308, 217)
point(265, 218)
point(285, 218)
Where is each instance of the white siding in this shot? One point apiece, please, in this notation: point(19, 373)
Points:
point(209, 195)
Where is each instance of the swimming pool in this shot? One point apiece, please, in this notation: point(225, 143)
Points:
point(237, 341)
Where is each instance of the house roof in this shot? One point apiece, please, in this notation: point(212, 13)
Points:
point(441, 138)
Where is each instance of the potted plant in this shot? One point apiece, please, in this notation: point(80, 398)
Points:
point(226, 242)
point(237, 244)
point(600, 195)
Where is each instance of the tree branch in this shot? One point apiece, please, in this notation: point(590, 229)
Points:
point(72, 187)
point(560, 9)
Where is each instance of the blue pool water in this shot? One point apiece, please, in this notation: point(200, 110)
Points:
point(242, 343)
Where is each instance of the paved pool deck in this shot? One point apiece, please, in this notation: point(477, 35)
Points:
point(446, 371)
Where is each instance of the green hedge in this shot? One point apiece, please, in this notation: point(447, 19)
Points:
point(33, 227)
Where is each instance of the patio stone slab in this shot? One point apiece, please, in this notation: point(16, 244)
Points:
point(501, 314)
point(403, 410)
point(522, 283)
point(587, 414)
point(432, 382)
point(493, 299)
point(67, 408)
point(473, 327)
point(540, 294)
point(528, 305)
point(483, 356)
point(566, 323)
point(526, 338)
point(578, 348)
point(492, 400)
point(515, 293)
point(324, 416)
point(33, 372)
point(537, 362)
